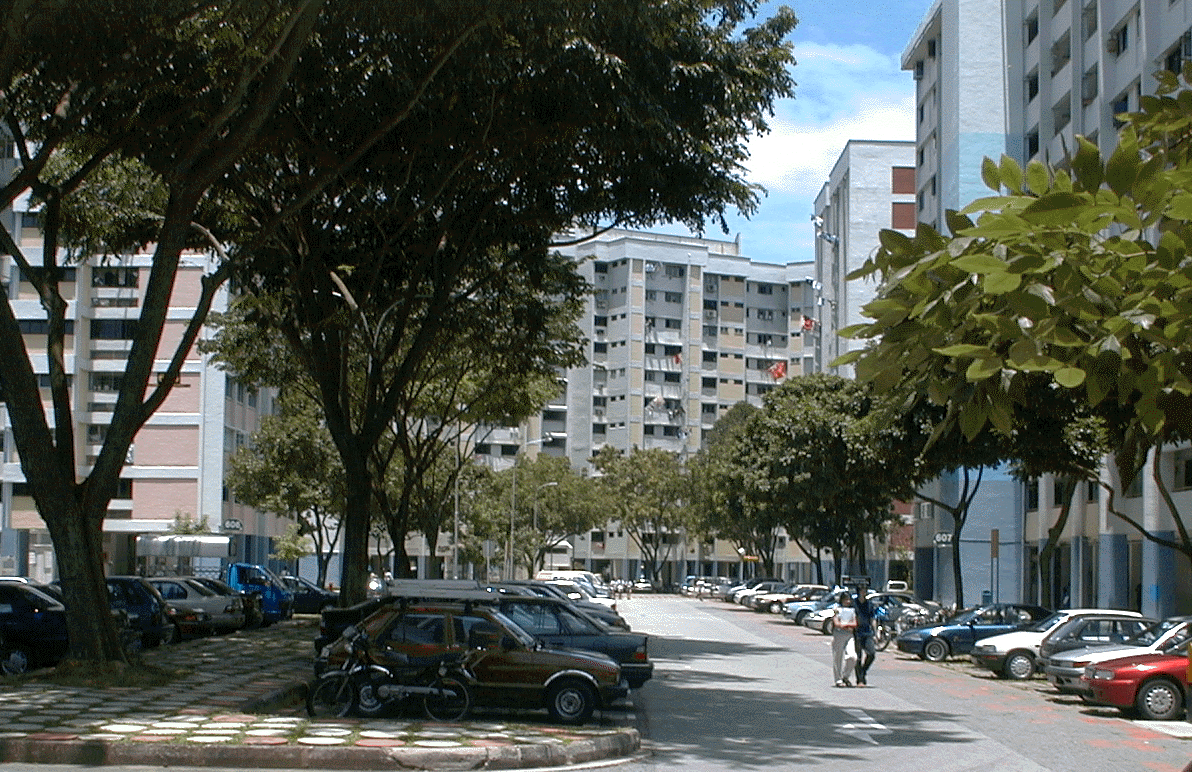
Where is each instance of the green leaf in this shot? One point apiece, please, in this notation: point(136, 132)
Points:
point(1011, 174)
point(1122, 169)
point(980, 264)
point(981, 369)
point(990, 175)
point(1037, 178)
point(965, 350)
point(1087, 165)
point(1069, 377)
point(1001, 283)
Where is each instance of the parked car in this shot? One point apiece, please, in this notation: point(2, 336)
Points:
point(147, 610)
point(1015, 655)
point(309, 598)
point(737, 587)
point(1080, 632)
point(959, 634)
point(513, 669)
point(276, 601)
point(1065, 670)
point(774, 602)
point(738, 593)
point(32, 628)
point(1151, 684)
point(606, 614)
point(226, 613)
point(557, 624)
point(579, 592)
point(552, 621)
point(797, 611)
point(253, 616)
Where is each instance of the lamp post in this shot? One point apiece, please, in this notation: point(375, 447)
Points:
point(513, 503)
point(534, 559)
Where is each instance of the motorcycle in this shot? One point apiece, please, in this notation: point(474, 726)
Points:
point(368, 688)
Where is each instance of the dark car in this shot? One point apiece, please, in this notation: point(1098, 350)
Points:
point(959, 634)
point(1110, 629)
point(544, 589)
point(510, 667)
point(32, 629)
point(147, 610)
point(309, 598)
point(557, 624)
point(553, 622)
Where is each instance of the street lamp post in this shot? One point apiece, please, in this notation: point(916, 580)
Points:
point(513, 503)
point(534, 559)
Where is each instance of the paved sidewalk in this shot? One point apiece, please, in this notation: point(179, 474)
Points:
point(239, 703)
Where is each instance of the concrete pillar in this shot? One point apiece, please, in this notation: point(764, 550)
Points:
point(1113, 571)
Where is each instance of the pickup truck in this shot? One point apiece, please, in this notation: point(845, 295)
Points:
point(277, 603)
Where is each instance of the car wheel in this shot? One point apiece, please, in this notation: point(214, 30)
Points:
point(799, 615)
point(935, 650)
point(174, 635)
point(570, 702)
point(1020, 665)
point(775, 608)
point(1160, 700)
point(13, 661)
point(826, 627)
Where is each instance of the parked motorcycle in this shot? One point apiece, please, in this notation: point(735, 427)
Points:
point(368, 688)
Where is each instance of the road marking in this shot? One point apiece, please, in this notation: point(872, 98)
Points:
point(865, 730)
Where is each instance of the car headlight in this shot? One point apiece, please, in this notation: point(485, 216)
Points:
point(1102, 675)
point(984, 648)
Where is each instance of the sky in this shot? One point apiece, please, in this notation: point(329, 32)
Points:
point(850, 85)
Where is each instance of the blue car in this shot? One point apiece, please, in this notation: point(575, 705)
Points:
point(32, 628)
point(959, 634)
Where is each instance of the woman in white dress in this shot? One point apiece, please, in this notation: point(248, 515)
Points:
point(844, 650)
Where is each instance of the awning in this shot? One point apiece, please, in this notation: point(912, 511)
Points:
point(184, 546)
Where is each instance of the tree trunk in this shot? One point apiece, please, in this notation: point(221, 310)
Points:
point(957, 573)
point(353, 580)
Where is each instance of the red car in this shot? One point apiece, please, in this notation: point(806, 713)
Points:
point(1154, 684)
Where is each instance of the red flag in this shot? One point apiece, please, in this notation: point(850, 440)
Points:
point(808, 323)
point(678, 359)
point(778, 370)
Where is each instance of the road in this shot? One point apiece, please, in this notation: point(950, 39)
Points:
point(738, 690)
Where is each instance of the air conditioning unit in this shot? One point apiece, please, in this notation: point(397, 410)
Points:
point(651, 267)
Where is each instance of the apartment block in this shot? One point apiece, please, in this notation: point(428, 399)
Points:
point(1024, 78)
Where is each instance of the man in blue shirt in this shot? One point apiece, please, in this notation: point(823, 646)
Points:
point(866, 645)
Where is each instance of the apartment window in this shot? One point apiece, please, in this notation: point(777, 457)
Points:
point(123, 489)
point(1032, 28)
point(1061, 53)
point(1119, 106)
point(1032, 495)
point(675, 272)
point(1032, 143)
point(674, 324)
point(673, 297)
point(114, 277)
point(902, 180)
point(1061, 113)
point(1094, 492)
point(1089, 86)
point(902, 215)
point(765, 314)
point(1182, 52)
point(1183, 470)
point(1119, 40)
point(708, 409)
point(106, 381)
point(651, 294)
point(1057, 492)
point(1032, 85)
point(42, 327)
point(1089, 20)
point(768, 289)
point(96, 433)
point(931, 48)
point(113, 329)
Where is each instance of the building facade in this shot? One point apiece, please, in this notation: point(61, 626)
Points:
point(175, 467)
point(1024, 78)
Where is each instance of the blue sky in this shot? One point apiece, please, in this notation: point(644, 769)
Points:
point(850, 86)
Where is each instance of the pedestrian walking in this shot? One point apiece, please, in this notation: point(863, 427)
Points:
point(844, 652)
point(864, 640)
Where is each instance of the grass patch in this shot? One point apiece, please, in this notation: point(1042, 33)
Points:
point(107, 675)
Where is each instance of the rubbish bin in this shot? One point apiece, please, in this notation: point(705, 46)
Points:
point(986, 597)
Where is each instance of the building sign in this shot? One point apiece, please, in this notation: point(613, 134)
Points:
point(232, 524)
point(943, 537)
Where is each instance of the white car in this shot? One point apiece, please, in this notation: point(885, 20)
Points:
point(1015, 655)
point(1064, 670)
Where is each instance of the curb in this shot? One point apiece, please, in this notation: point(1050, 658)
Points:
point(57, 749)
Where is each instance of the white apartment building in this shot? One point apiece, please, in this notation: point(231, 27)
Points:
point(871, 187)
point(1023, 78)
point(176, 464)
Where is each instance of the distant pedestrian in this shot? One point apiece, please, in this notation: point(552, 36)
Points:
point(865, 641)
point(844, 652)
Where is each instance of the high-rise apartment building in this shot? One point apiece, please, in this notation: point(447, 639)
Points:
point(1024, 78)
point(175, 467)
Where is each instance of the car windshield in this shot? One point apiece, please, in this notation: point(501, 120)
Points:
point(524, 638)
point(1162, 630)
point(1047, 622)
point(968, 615)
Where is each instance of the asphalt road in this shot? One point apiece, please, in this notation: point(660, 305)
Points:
point(738, 690)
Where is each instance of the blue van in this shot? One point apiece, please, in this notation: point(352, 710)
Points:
point(277, 603)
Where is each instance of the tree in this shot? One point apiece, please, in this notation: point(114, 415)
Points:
point(832, 464)
point(1076, 275)
point(514, 121)
point(89, 87)
point(649, 490)
point(728, 500)
point(289, 467)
